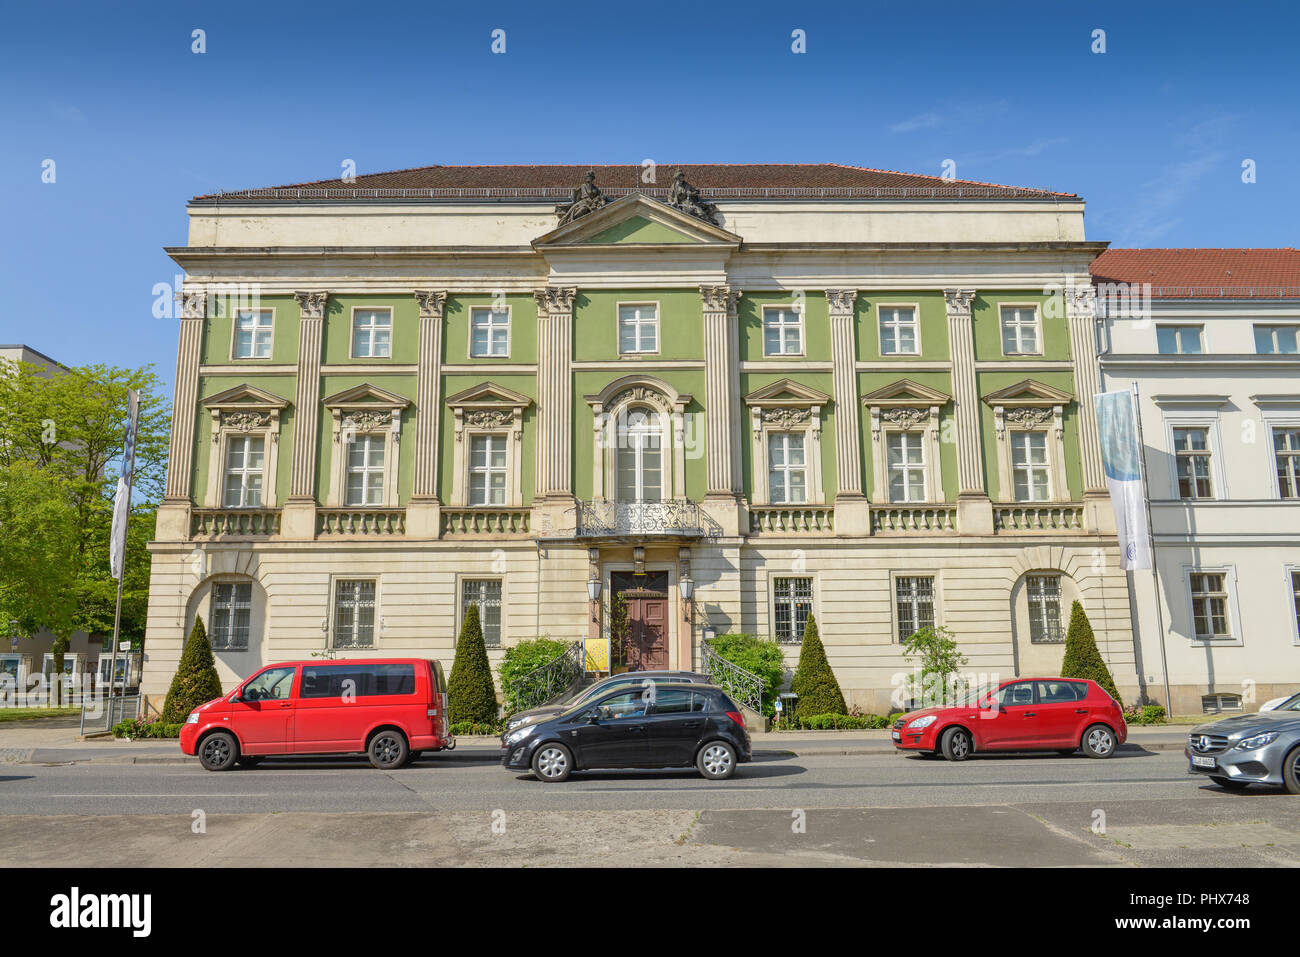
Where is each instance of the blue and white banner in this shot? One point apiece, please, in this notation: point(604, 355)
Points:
point(122, 503)
point(1121, 455)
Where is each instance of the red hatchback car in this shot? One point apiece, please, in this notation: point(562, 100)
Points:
point(1023, 714)
point(390, 709)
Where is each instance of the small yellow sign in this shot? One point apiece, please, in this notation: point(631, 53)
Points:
point(597, 654)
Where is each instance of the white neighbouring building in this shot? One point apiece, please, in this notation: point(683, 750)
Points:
point(1213, 351)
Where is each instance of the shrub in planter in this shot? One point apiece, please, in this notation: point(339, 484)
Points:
point(814, 681)
point(470, 692)
point(762, 656)
point(478, 727)
point(1144, 714)
point(1082, 659)
point(196, 678)
point(524, 658)
point(136, 730)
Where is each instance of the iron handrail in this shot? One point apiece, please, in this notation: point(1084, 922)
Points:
point(744, 686)
point(548, 680)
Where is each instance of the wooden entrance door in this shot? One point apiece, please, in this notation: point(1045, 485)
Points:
point(647, 616)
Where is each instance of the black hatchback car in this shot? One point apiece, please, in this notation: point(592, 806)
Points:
point(660, 726)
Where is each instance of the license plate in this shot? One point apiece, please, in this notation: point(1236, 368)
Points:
point(1201, 762)
point(896, 736)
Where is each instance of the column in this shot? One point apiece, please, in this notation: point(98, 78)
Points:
point(1081, 314)
point(721, 408)
point(974, 510)
point(852, 513)
point(298, 518)
point(423, 514)
point(174, 511)
point(554, 404)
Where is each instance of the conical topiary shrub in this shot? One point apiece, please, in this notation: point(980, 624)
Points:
point(470, 692)
point(1082, 659)
point(814, 681)
point(196, 678)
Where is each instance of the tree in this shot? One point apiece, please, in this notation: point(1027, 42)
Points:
point(814, 681)
point(195, 681)
point(470, 692)
point(1082, 659)
point(933, 680)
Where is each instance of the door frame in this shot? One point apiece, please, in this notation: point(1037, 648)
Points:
point(674, 601)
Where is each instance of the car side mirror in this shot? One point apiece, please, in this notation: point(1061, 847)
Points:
point(594, 716)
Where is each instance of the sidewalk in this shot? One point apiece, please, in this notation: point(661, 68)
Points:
point(30, 743)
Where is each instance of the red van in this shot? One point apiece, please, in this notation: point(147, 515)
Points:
point(390, 709)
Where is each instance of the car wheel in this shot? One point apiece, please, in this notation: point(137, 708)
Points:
point(1230, 784)
point(249, 760)
point(716, 760)
point(956, 744)
point(1098, 741)
point(219, 751)
point(388, 749)
point(1291, 771)
point(552, 763)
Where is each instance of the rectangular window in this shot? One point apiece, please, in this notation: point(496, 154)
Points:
point(354, 614)
point(914, 599)
point(486, 595)
point(793, 601)
point(1295, 599)
point(1178, 340)
point(1276, 340)
point(1020, 331)
point(1286, 448)
point(1210, 606)
point(638, 328)
point(1031, 478)
point(786, 473)
point(365, 478)
point(782, 331)
point(489, 332)
point(906, 462)
point(253, 334)
point(898, 331)
point(372, 331)
point(1045, 609)
point(487, 470)
point(232, 608)
point(245, 460)
point(1192, 452)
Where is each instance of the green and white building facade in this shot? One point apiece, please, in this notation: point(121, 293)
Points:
point(823, 389)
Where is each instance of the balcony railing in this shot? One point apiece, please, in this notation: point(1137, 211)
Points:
point(791, 519)
point(213, 523)
point(1038, 518)
point(677, 517)
point(361, 521)
point(914, 518)
point(485, 521)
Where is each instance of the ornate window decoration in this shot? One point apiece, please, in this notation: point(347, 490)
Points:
point(906, 408)
point(486, 415)
point(788, 407)
point(369, 412)
point(244, 412)
point(1030, 406)
point(626, 407)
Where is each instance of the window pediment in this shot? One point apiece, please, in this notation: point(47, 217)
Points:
point(787, 393)
point(1028, 392)
point(245, 396)
point(904, 393)
point(366, 396)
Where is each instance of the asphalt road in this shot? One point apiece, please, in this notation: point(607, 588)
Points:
point(1134, 809)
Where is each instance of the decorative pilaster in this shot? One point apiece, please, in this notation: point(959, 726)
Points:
point(1081, 314)
point(852, 514)
point(173, 513)
point(555, 392)
point(720, 407)
point(298, 520)
point(428, 399)
point(974, 510)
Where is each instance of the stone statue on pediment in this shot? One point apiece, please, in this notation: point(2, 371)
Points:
point(685, 197)
point(587, 198)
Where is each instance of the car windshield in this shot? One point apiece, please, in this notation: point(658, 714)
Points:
point(1290, 704)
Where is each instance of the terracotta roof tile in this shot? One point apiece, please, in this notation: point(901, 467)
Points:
point(1204, 273)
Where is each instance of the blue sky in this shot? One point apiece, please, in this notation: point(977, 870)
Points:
point(1152, 133)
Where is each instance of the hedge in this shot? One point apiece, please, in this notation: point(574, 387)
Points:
point(524, 658)
point(134, 728)
point(762, 656)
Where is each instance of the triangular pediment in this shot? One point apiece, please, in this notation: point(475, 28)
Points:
point(245, 396)
point(906, 392)
point(1029, 392)
point(360, 396)
point(787, 392)
point(487, 394)
point(637, 220)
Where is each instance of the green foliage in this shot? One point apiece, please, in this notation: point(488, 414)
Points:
point(1082, 659)
point(39, 538)
point(136, 729)
point(814, 681)
point(478, 727)
point(470, 691)
point(619, 629)
point(1145, 714)
point(196, 678)
point(838, 722)
point(762, 656)
point(525, 657)
point(935, 661)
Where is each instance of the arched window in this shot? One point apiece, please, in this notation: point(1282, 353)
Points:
point(639, 469)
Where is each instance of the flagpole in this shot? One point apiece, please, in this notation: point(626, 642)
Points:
point(128, 470)
point(1151, 544)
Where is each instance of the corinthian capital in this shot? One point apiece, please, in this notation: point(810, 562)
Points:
point(555, 299)
point(312, 304)
point(719, 298)
point(841, 301)
point(194, 303)
point(958, 301)
point(431, 302)
point(1081, 300)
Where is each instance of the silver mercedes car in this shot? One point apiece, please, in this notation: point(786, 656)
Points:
point(1248, 749)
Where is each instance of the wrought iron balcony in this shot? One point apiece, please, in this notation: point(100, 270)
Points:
point(677, 517)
